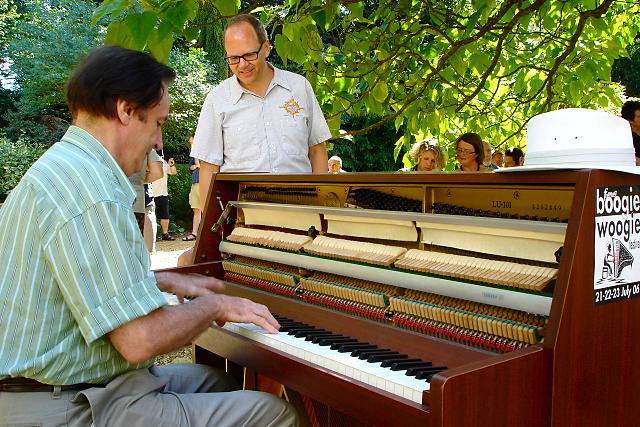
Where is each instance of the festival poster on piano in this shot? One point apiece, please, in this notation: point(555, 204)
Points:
point(616, 274)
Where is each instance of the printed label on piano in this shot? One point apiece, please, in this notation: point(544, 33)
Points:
point(617, 243)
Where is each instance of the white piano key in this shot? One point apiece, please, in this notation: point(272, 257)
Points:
point(394, 382)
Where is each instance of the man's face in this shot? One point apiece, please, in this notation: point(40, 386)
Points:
point(241, 39)
point(497, 159)
point(145, 131)
point(635, 123)
point(509, 162)
point(334, 166)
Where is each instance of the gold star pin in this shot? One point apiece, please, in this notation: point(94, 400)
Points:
point(292, 107)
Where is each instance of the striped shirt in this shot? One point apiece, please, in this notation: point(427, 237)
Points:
point(74, 266)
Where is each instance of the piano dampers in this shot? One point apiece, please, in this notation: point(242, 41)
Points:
point(281, 218)
point(372, 228)
point(529, 245)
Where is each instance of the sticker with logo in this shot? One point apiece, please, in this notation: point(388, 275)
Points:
point(617, 244)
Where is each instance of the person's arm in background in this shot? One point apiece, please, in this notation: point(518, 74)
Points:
point(318, 157)
point(206, 173)
point(172, 167)
point(154, 167)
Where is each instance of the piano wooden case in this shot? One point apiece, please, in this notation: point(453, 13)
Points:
point(577, 367)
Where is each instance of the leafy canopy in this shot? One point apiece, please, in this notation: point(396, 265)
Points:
point(431, 67)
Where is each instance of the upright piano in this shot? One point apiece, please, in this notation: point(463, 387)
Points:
point(434, 299)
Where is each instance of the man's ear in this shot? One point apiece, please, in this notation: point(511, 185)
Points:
point(125, 111)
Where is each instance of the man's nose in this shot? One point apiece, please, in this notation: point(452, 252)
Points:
point(159, 144)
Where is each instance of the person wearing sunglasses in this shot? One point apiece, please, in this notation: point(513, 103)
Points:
point(261, 119)
point(470, 153)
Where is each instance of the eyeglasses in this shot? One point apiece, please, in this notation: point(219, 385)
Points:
point(250, 56)
point(464, 152)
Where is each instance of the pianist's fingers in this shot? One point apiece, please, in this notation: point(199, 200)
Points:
point(236, 309)
point(192, 285)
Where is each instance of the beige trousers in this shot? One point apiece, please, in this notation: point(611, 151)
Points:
point(172, 395)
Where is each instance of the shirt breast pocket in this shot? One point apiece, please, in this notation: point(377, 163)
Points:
point(241, 144)
point(295, 135)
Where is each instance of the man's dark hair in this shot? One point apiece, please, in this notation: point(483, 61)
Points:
point(110, 73)
point(629, 108)
point(475, 140)
point(257, 25)
point(515, 153)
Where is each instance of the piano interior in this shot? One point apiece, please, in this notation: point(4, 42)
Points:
point(417, 299)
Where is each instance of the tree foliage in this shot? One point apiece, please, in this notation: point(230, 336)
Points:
point(195, 78)
point(432, 68)
point(47, 40)
point(627, 70)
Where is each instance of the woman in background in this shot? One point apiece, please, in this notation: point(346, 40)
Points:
point(427, 156)
point(470, 153)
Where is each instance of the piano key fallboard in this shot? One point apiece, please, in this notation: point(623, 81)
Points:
point(424, 299)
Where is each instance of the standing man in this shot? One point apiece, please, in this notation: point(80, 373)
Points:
point(81, 315)
point(261, 119)
point(631, 113)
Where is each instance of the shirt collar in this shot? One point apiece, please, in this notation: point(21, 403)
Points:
point(93, 148)
point(279, 79)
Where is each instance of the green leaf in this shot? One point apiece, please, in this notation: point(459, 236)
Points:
point(177, 15)
point(283, 47)
point(356, 9)
point(140, 26)
point(160, 43)
point(118, 34)
point(109, 7)
point(380, 91)
point(227, 7)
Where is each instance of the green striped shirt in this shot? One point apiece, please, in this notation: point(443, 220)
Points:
point(74, 266)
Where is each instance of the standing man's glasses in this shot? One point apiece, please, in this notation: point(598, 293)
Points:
point(251, 56)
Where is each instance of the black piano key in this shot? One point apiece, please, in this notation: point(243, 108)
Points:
point(317, 338)
point(417, 369)
point(401, 366)
point(308, 332)
point(375, 358)
point(324, 342)
point(364, 354)
point(347, 348)
point(387, 363)
point(427, 374)
point(292, 326)
point(357, 351)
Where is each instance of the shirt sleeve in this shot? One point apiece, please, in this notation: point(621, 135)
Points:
point(318, 125)
point(101, 265)
point(207, 141)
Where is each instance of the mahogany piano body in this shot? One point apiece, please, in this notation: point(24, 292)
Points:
point(584, 372)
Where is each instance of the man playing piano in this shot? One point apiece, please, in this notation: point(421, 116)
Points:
point(81, 315)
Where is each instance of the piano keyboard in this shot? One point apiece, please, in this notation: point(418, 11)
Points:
point(383, 369)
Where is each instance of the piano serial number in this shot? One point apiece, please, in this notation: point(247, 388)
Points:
point(546, 207)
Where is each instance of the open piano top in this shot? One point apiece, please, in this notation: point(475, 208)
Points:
point(489, 277)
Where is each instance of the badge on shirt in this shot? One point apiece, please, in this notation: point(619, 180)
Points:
point(292, 107)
